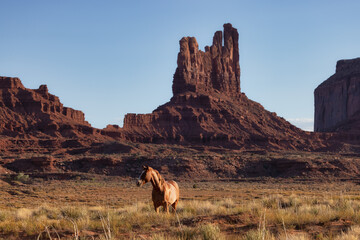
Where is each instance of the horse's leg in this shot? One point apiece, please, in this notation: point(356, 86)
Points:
point(156, 206)
point(157, 209)
point(174, 206)
point(166, 207)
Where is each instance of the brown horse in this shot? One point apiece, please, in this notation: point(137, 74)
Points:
point(164, 193)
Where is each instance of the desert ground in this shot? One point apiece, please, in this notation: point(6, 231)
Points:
point(92, 206)
point(223, 194)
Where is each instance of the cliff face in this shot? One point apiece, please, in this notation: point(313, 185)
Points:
point(38, 112)
point(337, 100)
point(207, 106)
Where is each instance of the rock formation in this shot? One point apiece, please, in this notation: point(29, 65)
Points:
point(207, 106)
point(216, 69)
point(36, 112)
point(206, 112)
point(337, 100)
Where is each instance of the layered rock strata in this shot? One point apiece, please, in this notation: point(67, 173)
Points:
point(337, 100)
point(36, 111)
point(207, 106)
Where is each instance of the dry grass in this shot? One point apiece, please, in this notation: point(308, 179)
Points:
point(273, 217)
point(352, 234)
point(211, 211)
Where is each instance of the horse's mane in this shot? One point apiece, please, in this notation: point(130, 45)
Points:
point(161, 179)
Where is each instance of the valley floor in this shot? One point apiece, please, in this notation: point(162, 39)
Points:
point(97, 207)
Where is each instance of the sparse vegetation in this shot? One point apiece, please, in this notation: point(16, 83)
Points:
point(21, 177)
point(235, 211)
point(352, 233)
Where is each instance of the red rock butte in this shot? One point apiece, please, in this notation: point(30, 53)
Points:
point(207, 106)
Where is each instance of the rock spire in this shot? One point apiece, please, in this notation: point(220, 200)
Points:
point(216, 69)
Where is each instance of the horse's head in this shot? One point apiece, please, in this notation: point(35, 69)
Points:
point(145, 176)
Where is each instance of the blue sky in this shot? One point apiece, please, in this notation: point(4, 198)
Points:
point(108, 58)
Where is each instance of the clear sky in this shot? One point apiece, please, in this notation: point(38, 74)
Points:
point(108, 58)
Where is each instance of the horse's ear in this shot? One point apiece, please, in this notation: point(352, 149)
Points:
point(145, 167)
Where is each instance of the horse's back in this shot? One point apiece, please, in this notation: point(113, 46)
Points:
point(174, 191)
point(174, 184)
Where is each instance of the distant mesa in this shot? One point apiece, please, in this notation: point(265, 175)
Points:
point(337, 100)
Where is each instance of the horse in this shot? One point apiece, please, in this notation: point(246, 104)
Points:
point(164, 193)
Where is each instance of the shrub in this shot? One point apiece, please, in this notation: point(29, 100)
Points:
point(21, 177)
point(209, 232)
point(258, 235)
point(74, 213)
point(187, 233)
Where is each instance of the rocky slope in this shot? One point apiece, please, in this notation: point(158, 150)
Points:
point(337, 100)
point(35, 113)
point(26, 111)
point(207, 106)
point(35, 121)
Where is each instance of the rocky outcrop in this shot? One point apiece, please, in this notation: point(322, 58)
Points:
point(36, 112)
point(337, 100)
point(208, 108)
point(216, 69)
